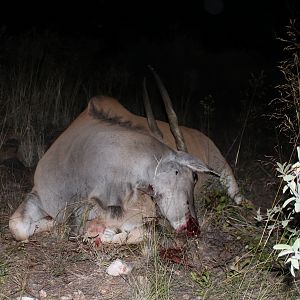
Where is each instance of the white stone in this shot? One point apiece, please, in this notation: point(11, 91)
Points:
point(118, 267)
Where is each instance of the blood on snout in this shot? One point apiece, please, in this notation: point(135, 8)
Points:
point(191, 228)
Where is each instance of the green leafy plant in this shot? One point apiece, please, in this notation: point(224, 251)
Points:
point(203, 281)
point(292, 253)
point(291, 176)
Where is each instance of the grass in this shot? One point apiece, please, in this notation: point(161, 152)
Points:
point(153, 285)
point(225, 263)
point(156, 282)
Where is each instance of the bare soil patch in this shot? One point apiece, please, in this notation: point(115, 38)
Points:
point(211, 266)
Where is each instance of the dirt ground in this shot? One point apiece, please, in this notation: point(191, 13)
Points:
point(51, 266)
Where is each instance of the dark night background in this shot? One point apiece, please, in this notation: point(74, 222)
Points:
point(206, 51)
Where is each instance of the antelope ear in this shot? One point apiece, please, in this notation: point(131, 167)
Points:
point(145, 187)
point(194, 163)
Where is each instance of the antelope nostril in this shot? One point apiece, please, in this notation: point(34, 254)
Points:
point(195, 177)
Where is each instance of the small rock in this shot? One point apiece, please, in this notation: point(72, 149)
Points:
point(43, 294)
point(118, 267)
point(68, 297)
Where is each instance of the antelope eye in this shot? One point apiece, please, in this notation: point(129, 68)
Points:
point(176, 172)
point(195, 177)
